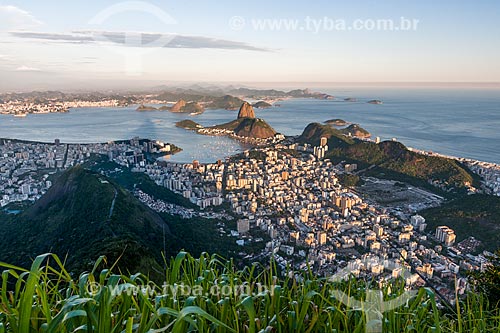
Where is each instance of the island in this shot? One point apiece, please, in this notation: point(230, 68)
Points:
point(262, 105)
point(193, 108)
point(356, 131)
point(350, 99)
point(188, 124)
point(143, 107)
point(337, 122)
point(226, 102)
point(306, 93)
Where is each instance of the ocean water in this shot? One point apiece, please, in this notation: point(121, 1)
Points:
point(458, 122)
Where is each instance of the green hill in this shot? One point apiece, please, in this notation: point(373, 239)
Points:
point(85, 215)
point(210, 100)
point(391, 159)
point(227, 102)
point(254, 128)
point(356, 131)
point(193, 107)
point(143, 107)
point(262, 105)
point(188, 124)
point(249, 127)
point(313, 133)
point(476, 215)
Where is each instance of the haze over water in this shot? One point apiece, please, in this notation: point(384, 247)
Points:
point(458, 122)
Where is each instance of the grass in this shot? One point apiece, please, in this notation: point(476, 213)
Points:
point(47, 298)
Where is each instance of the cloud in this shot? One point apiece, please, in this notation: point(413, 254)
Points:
point(140, 39)
point(47, 36)
point(12, 17)
point(27, 69)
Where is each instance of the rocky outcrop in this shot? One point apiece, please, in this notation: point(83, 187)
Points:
point(254, 128)
point(178, 106)
point(356, 131)
point(246, 111)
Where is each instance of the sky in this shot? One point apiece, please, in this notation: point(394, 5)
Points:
point(89, 44)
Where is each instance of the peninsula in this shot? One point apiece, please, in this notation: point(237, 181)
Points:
point(246, 127)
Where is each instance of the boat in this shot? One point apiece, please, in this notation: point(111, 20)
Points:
point(20, 115)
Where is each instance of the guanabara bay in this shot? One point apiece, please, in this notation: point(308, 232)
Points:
point(220, 167)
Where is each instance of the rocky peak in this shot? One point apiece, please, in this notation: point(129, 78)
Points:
point(246, 111)
point(178, 106)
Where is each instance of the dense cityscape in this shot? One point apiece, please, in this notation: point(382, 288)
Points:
point(286, 191)
point(249, 167)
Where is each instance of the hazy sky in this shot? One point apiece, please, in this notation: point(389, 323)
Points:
point(52, 43)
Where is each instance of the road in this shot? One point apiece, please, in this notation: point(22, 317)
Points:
point(111, 210)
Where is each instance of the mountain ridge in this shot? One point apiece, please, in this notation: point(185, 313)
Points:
point(392, 159)
point(84, 215)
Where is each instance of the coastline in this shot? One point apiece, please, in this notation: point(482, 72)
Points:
point(230, 134)
point(375, 120)
point(258, 142)
point(488, 171)
point(174, 148)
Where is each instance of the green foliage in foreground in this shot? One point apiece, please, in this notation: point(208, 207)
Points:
point(487, 281)
point(48, 299)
